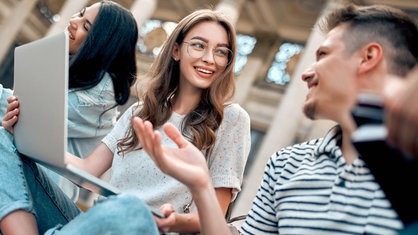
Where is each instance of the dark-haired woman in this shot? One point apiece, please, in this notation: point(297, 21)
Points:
point(102, 40)
point(102, 70)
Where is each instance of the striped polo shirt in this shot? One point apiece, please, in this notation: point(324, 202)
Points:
point(309, 189)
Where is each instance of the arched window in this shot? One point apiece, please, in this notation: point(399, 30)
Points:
point(152, 35)
point(278, 74)
point(245, 45)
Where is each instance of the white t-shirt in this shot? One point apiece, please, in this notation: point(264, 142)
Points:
point(135, 172)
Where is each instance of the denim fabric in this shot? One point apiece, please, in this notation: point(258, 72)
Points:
point(24, 185)
point(4, 94)
point(122, 214)
point(92, 112)
point(91, 115)
point(14, 192)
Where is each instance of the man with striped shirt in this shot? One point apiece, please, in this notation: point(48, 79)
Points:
point(321, 186)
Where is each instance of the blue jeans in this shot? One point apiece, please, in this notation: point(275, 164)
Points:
point(24, 186)
point(123, 214)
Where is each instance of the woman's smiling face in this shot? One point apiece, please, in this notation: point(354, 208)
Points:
point(199, 73)
point(79, 26)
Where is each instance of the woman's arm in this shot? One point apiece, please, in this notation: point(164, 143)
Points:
point(188, 165)
point(205, 199)
point(189, 222)
point(97, 163)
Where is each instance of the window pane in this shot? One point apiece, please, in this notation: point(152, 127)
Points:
point(152, 34)
point(146, 28)
point(245, 45)
point(277, 73)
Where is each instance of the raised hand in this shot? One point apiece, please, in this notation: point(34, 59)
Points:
point(402, 116)
point(12, 113)
point(187, 164)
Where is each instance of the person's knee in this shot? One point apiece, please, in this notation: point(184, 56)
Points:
point(126, 204)
point(121, 214)
point(127, 213)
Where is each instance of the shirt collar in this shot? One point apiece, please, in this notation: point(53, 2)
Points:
point(330, 142)
point(330, 145)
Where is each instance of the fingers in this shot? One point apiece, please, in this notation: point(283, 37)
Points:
point(10, 118)
point(144, 132)
point(186, 163)
point(402, 118)
point(174, 134)
point(392, 120)
point(164, 224)
point(150, 140)
point(167, 209)
point(12, 112)
point(404, 134)
point(12, 103)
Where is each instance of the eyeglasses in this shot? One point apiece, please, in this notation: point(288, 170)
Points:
point(198, 48)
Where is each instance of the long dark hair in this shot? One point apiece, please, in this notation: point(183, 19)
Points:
point(109, 47)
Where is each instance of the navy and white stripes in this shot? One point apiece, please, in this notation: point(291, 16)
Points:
point(308, 189)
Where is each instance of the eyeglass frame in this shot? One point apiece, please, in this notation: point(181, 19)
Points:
point(205, 51)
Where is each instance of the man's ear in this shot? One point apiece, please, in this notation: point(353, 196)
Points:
point(372, 55)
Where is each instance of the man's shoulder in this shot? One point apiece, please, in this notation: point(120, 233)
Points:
point(297, 152)
point(303, 147)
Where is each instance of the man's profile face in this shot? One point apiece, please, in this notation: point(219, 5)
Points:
point(331, 79)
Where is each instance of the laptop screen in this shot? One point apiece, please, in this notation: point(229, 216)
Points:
point(41, 85)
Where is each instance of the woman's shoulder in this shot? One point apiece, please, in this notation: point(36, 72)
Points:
point(105, 84)
point(131, 110)
point(235, 117)
point(234, 111)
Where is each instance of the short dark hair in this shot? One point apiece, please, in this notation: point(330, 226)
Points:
point(109, 47)
point(392, 28)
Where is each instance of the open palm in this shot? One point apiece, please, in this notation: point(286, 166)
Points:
point(185, 163)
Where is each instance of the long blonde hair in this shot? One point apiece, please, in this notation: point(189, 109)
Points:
point(200, 125)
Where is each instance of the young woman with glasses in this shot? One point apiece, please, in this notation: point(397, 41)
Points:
point(191, 84)
point(102, 41)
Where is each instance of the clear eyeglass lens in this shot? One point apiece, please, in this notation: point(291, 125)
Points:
point(197, 49)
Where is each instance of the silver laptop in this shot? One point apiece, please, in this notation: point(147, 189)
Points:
point(41, 85)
